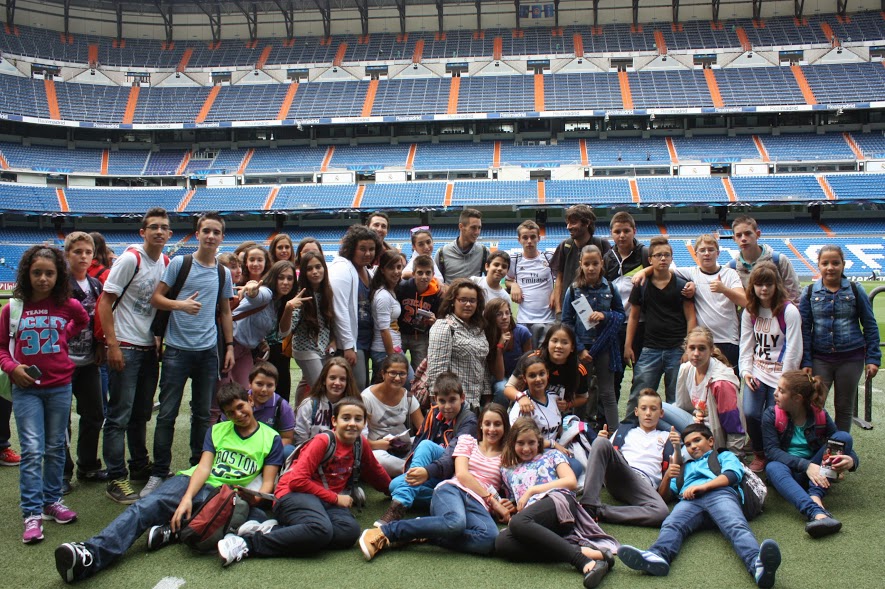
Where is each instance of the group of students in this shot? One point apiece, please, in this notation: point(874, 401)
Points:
point(234, 321)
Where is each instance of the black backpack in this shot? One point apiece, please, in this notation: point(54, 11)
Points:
point(161, 319)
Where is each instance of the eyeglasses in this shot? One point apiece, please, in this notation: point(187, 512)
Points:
point(707, 250)
point(661, 256)
point(464, 301)
point(156, 227)
point(396, 374)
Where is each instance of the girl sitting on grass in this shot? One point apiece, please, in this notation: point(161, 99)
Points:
point(392, 414)
point(314, 498)
point(462, 507)
point(797, 432)
point(314, 414)
point(550, 524)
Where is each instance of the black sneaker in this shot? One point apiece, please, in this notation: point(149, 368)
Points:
point(142, 474)
point(98, 475)
point(160, 537)
point(73, 561)
point(121, 491)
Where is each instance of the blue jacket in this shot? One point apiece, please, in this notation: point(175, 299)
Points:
point(446, 435)
point(776, 444)
point(831, 322)
point(603, 337)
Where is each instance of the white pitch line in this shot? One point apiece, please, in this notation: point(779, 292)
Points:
point(169, 583)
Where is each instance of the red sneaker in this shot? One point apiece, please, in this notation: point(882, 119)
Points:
point(758, 464)
point(9, 457)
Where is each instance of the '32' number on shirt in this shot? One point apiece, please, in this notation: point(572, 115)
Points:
point(32, 338)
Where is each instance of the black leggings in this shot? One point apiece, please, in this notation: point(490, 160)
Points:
point(536, 535)
point(281, 362)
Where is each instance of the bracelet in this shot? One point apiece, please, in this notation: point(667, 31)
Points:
point(520, 395)
point(500, 346)
point(228, 344)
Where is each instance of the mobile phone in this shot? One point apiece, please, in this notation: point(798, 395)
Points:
point(33, 372)
point(423, 313)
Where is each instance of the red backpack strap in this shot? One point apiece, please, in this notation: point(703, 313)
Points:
point(820, 422)
point(780, 419)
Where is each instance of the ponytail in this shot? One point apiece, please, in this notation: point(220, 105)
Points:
point(811, 388)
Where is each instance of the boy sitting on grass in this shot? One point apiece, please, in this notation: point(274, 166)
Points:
point(234, 453)
point(432, 457)
point(268, 407)
point(706, 499)
point(635, 467)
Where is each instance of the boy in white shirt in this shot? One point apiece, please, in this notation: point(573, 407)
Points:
point(634, 466)
point(530, 280)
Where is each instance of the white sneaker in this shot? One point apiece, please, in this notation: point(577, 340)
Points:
point(232, 549)
point(151, 486)
point(251, 527)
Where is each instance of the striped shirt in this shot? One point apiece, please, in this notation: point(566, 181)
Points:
point(486, 469)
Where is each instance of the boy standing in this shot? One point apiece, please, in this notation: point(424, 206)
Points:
point(126, 314)
point(622, 262)
point(431, 459)
point(746, 234)
point(192, 343)
point(634, 466)
point(669, 316)
point(530, 279)
point(86, 381)
point(420, 297)
point(249, 449)
point(706, 499)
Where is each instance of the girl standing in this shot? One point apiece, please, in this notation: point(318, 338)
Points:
point(386, 309)
point(597, 344)
point(281, 248)
point(797, 431)
point(314, 498)
point(314, 414)
point(391, 414)
point(545, 403)
point(707, 391)
point(41, 371)
point(771, 343)
point(256, 262)
point(550, 524)
point(839, 333)
point(261, 311)
point(462, 507)
point(311, 318)
point(508, 341)
point(458, 341)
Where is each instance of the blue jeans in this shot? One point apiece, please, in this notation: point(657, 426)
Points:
point(720, 507)
point(156, 509)
point(41, 416)
point(457, 521)
point(307, 525)
point(647, 371)
point(755, 404)
point(130, 404)
point(401, 491)
point(676, 416)
point(795, 486)
point(179, 365)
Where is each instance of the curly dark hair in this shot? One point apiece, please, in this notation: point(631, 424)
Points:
point(61, 292)
point(309, 312)
point(354, 235)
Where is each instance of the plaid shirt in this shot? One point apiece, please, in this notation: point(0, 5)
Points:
point(461, 348)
